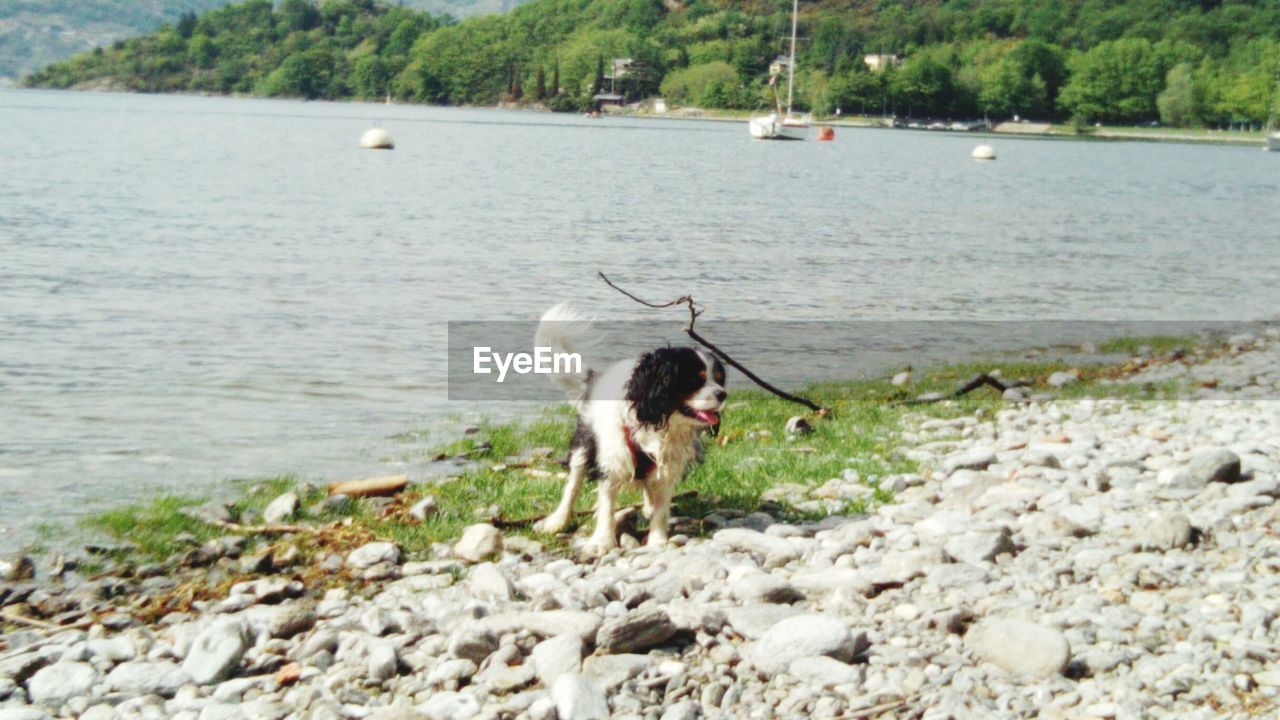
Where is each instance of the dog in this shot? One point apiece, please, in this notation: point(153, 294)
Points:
point(639, 421)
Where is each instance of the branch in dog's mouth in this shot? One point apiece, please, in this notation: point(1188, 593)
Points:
point(694, 312)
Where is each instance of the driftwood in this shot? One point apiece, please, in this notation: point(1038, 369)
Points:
point(274, 529)
point(977, 381)
point(32, 622)
point(876, 710)
point(694, 312)
point(370, 487)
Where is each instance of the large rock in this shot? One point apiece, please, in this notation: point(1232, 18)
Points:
point(1204, 467)
point(488, 582)
point(556, 656)
point(577, 698)
point(161, 678)
point(366, 556)
point(24, 713)
point(804, 635)
point(610, 671)
point(478, 542)
point(59, 682)
point(973, 459)
point(548, 623)
point(637, 630)
point(823, 671)
point(768, 550)
point(450, 706)
point(753, 621)
point(1019, 647)
point(473, 641)
point(979, 546)
point(216, 652)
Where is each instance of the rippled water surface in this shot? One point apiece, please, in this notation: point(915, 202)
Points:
point(198, 289)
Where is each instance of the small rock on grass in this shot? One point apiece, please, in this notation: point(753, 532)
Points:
point(478, 542)
point(424, 508)
point(281, 509)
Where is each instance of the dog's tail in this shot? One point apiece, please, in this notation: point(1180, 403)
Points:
point(565, 330)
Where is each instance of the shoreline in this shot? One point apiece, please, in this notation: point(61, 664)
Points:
point(1128, 520)
point(1029, 130)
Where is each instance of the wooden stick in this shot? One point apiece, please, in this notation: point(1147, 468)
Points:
point(977, 381)
point(276, 529)
point(23, 620)
point(874, 710)
point(694, 312)
point(370, 487)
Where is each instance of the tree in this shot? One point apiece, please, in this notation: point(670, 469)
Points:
point(1116, 80)
point(539, 85)
point(298, 16)
point(186, 24)
point(1180, 104)
point(555, 78)
point(598, 84)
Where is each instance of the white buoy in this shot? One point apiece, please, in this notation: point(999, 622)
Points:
point(984, 152)
point(377, 139)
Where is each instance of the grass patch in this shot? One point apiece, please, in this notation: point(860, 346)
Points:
point(515, 465)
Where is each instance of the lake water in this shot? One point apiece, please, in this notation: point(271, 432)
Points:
point(198, 289)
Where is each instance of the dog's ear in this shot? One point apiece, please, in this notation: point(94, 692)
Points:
point(651, 389)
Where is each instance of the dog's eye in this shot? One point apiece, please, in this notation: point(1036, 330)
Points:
point(720, 378)
point(702, 374)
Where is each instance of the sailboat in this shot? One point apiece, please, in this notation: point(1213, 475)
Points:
point(778, 125)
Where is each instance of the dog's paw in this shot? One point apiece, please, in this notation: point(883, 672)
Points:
point(656, 540)
point(598, 547)
point(549, 525)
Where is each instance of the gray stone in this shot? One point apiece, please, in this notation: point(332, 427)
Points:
point(1020, 647)
point(503, 679)
point(161, 678)
point(577, 698)
point(289, 619)
point(611, 671)
point(548, 623)
point(488, 582)
point(979, 546)
point(366, 556)
point(1061, 379)
point(753, 621)
point(556, 656)
point(825, 671)
point(216, 652)
point(973, 459)
point(473, 641)
point(637, 630)
point(767, 549)
point(16, 567)
point(382, 661)
point(24, 713)
point(450, 706)
point(1165, 531)
point(55, 684)
point(281, 509)
point(425, 508)
point(1204, 467)
point(683, 710)
point(804, 636)
point(760, 587)
point(478, 542)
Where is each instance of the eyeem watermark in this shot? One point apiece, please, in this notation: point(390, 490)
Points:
point(542, 362)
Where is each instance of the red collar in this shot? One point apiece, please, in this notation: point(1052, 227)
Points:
point(640, 459)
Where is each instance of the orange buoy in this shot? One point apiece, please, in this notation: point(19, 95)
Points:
point(827, 133)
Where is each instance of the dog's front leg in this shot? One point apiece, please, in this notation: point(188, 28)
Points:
point(659, 491)
point(556, 521)
point(605, 536)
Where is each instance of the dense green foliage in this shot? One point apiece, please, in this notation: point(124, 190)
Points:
point(1185, 62)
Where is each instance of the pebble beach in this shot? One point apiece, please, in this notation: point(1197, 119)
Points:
point(1097, 558)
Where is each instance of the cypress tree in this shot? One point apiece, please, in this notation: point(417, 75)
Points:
point(517, 90)
point(598, 85)
point(540, 85)
point(555, 78)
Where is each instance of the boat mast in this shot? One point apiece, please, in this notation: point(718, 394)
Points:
point(791, 66)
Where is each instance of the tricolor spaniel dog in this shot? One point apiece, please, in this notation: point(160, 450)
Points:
point(638, 422)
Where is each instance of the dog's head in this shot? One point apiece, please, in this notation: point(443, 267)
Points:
point(677, 385)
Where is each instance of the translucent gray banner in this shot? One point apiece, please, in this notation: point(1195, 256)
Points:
point(498, 360)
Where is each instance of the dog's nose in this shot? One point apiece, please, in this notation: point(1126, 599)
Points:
point(721, 395)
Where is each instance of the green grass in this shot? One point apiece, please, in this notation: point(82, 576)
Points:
point(751, 455)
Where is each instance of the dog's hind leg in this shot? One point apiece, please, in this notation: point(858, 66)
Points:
point(556, 521)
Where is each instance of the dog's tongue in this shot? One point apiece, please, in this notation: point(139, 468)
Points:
point(709, 417)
